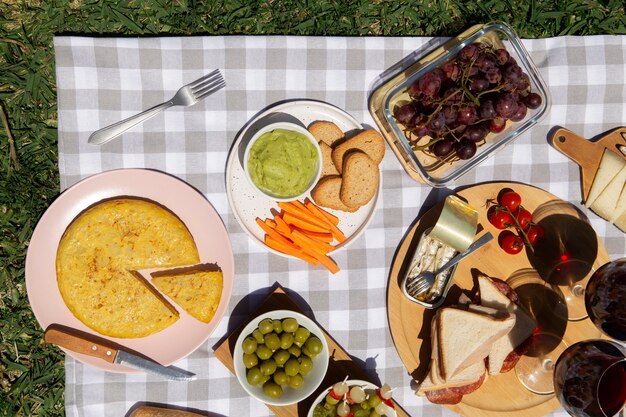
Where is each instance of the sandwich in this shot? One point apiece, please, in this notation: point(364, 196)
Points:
point(506, 351)
point(460, 341)
point(471, 341)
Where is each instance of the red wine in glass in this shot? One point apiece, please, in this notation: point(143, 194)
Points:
point(605, 299)
point(590, 379)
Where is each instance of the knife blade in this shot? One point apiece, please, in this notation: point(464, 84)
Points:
point(111, 352)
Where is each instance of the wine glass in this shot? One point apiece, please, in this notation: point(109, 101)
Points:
point(605, 299)
point(535, 367)
point(590, 378)
point(567, 255)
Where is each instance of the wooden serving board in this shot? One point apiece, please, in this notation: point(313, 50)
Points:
point(500, 395)
point(340, 363)
point(588, 154)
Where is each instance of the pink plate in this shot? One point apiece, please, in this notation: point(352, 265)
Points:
point(206, 226)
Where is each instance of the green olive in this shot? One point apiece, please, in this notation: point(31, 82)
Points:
point(302, 334)
point(254, 376)
point(306, 364)
point(258, 336)
point(281, 356)
point(272, 389)
point(266, 326)
point(296, 381)
point(314, 345)
point(272, 341)
point(286, 340)
point(305, 352)
point(292, 367)
point(249, 344)
point(263, 352)
point(280, 377)
point(278, 326)
point(268, 367)
point(290, 325)
point(295, 351)
point(264, 379)
point(250, 360)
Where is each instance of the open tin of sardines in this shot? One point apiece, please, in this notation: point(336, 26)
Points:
point(453, 233)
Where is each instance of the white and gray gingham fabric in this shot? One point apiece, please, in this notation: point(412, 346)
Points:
point(102, 80)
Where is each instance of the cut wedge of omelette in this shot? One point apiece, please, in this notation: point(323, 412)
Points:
point(100, 250)
point(197, 291)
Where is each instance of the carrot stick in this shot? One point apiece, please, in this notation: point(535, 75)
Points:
point(271, 223)
point(321, 237)
point(306, 242)
point(275, 235)
point(320, 212)
point(303, 214)
point(327, 262)
point(302, 223)
point(289, 250)
point(281, 226)
point(338, 234)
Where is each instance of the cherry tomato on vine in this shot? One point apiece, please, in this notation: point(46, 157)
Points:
point(524, 218)
point(510, 200)
point(499, 218)
point(510, 242)
point(534, 233)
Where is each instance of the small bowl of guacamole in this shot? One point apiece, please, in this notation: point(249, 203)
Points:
point(283, 161)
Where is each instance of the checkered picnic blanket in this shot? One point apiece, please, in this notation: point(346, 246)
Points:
point(103, 80)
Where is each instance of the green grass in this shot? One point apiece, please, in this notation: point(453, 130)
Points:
point(31, 374)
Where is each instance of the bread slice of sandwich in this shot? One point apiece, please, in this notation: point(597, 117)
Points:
point(492, 296)
point(460, 342)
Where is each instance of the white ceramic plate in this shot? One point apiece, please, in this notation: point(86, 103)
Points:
point(311, 381)
point(351, 382)
point(248, 204)
point(186, 334)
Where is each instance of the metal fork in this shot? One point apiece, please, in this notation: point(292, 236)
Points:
point(188, 95)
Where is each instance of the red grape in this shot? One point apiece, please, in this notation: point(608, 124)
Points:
point(478, 83)
point(502, 56)
point(533, 101)
point(467, 114)
point(520, 113)
point(493, 75)
point(442, 147)
point(497, 125)
point(405, 113)
point(487, 110)
point(506, 105)
point(476, 132)
point(465, 148)
point(430, 83)
point(468, 53)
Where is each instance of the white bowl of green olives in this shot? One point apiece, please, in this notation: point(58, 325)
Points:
point(281, 357)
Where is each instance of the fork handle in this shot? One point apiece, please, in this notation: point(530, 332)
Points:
point(116, 129)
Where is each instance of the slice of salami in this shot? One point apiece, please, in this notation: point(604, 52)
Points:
point(453, 395)
point(444, 396)
point(468, 389)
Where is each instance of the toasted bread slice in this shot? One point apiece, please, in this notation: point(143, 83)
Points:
point(326, 194)
point(360, 179)
point(328, 168)
point(465, 337)
point(368, 141)
point(326, 132)
point(524, 326)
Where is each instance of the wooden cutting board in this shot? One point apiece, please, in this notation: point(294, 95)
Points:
point(588, 154)
point(500, 395)
point(340, 365)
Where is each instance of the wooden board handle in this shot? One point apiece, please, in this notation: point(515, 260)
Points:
point(80, 344)
point(573, 146)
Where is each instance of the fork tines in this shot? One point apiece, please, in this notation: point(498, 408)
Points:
point(208, 84)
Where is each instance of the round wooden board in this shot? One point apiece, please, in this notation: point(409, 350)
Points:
point(410, 323)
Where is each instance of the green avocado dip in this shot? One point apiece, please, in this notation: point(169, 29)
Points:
point(283, 162)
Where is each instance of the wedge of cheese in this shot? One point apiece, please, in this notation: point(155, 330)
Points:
point(606, 204)
point(610, 165)
point(619, 218)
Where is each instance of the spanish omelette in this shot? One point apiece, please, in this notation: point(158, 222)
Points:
point(96, 258)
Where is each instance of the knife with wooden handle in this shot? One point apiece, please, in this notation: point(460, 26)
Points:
point(81, 343)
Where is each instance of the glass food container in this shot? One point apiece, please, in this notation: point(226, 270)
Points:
point(422, 165)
